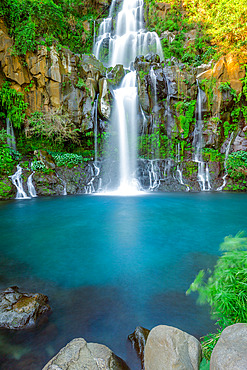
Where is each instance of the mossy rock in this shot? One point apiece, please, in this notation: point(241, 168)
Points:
point(6, 189)
point(115, 75)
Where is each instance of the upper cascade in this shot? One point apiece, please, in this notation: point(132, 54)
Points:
point(120, 44)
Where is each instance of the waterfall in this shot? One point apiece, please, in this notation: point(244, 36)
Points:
point(95, 120)
point(220, 188)
point(125, 114)
point(129, 38)
point(203, 171)
point(178, 170)
point(154, 178)
point(17, 181)
point(31, 188)
point(89, 188)
point(120, 43)
point(11, 136)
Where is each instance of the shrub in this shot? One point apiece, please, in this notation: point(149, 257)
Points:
point(12, 103)
point(8, 156)
point(226, 287)
point(68, 159)
point(55, 126)
point(236, 164)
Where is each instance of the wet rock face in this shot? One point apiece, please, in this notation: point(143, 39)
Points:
point(59, 79)
point(21, 310)
point(78, 354)
point(138, 339)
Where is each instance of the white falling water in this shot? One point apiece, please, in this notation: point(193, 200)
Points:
point(11, 136)
point(178, 170)
point(17, 181)
point(30, 186)
point(95, 120)
point(129, 37)
point(220, 188)
point(203, 170)
point(122, 42)
point(89, 188)
point(154, 178)
point(125, 117)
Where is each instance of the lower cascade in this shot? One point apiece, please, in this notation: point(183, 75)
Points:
point(31, 188)
point(17, 181)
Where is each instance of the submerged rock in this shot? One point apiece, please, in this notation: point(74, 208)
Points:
point(170, 348)
point(230, 350)
point(21, 310)
point(78, 354)
point(138, 339)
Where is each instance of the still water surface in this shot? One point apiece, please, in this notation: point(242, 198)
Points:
point(109, 264)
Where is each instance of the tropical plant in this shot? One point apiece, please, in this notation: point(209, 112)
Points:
point(68, 159)
point(34, 22)
point(8, 156)
point(12, 104)
point(225, 289)
point(236, 165)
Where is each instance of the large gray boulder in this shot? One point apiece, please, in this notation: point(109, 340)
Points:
point(170, 348)
point(79, 355)
point(21, 310)
point(230, 352)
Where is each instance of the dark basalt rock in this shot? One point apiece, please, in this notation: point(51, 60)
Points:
point(138, 339)
point(21, 310)
point(152, 58)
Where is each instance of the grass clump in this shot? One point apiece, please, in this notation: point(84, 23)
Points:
point(225, 289)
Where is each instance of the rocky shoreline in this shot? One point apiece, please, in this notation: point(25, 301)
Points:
point(163, 347)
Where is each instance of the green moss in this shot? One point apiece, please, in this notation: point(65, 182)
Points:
point(190, 169)
point(5, 189)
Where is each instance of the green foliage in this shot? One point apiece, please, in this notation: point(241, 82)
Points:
point(57, 127)
point(224, 21)
point(208, 343)
point(208, 85)
point(225, 86)
point(81, 84)
point(237, 185)
point(228, 127)
point(68, 159)
point(38, 166)
point(5, 189)
point(155, 145)
point(236, 165)
point(186, 111)
point(8, 156)
point(212, 154)
point(12, 104)
point(33, 22)
point(195, 53)
point(226, 287)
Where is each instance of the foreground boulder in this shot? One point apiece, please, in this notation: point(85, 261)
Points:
point(21, 310)
point(78, 354)
point(230, 351)
point(170, 348)
point(138, 339)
